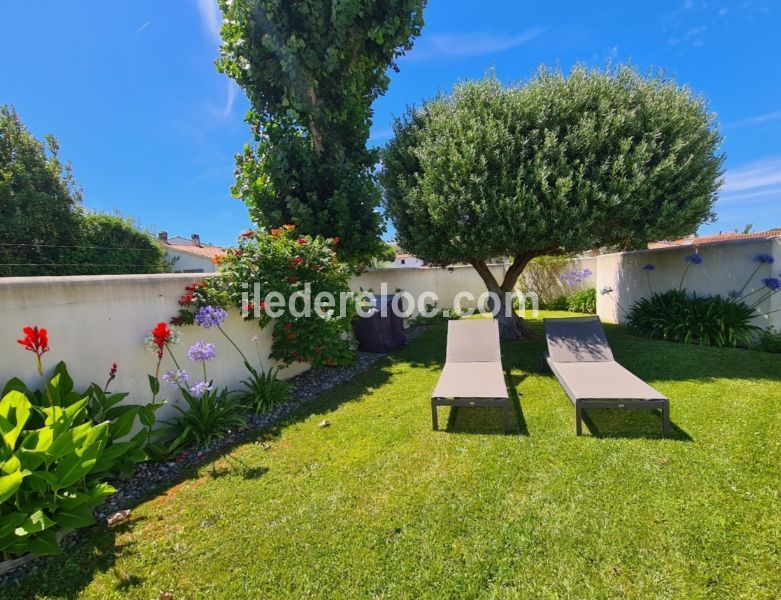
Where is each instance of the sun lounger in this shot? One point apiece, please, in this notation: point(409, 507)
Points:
point(473, 374)
point(580, 357)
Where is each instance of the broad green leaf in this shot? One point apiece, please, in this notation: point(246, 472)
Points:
point(122, 419)
point(10, 522)
point(11, 464)
point(9, 484)
point(73, 518)
point(35, 523)
point(45, 543)
point(14, 412)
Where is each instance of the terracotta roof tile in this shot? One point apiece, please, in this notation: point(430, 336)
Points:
point(717, 238)
point(206, 251)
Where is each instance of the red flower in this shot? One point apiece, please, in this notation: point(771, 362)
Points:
point(239, 253)
point(35, 340)
point(336, 239)
point(247, 234)
point(263, 306)
point(297, 261)
point(161, 333)
point(292, 279)
point(289, 227)
point(287, 326)
point(186, 300)
point(113, 371)
point(317, 349)
point(301, 241)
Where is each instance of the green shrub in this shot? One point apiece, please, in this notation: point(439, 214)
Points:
point(209, 416)
point(769, 340)
point(50, 455)
point(583, 301)
point(263, 390)
point(679, 316)
point(558, 303)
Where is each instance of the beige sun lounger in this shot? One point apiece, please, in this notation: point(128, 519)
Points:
point(473, 374)
point(580, 357)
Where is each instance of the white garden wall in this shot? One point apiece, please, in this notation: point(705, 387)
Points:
point(94, 320)
point(725, 267)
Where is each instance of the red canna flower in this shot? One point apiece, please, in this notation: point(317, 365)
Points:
point(112, 373)
point(292, 279)
point(297, 261)
point(35, 340)
point(247, 234)
point(301, 241)
point(336, 239)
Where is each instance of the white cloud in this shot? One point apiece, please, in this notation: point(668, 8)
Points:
point(229, 99)
point(759, 119)
point(210, 18)
point(448, 45)
point(753, 177)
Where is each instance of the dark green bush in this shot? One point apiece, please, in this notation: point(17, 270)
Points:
point(559, 303)
point(583, 301)
point(678, 316)
point(769, 340)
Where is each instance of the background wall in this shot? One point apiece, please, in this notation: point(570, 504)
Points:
point(725, 267)
point(94, 320)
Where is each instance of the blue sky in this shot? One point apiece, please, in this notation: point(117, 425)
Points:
point(130, 90)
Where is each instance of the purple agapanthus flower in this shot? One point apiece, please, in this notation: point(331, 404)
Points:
point(202, 350)
point(772, 283)
point(765, 259)
point(210, 316)
point(649, 267)
point(586, 273)
point(694, 259)
point(201, 388)
point(176, 378)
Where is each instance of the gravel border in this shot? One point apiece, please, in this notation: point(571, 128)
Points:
point(150, 478)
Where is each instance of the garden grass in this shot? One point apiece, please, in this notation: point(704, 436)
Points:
point(379, 505)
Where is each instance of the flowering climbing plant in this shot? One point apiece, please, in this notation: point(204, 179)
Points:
point(292, 267)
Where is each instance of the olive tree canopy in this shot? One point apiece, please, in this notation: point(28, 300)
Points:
point(559, 164)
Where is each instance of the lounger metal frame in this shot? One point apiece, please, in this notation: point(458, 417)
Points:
point(583, 403)
point(481, 402)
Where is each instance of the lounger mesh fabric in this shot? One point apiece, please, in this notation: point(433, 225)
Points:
point(473, 374)
point(577, 339)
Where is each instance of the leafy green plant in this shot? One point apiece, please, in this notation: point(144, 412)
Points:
point(558, 303)
point(209, 415)
point(769, 340)
point(263, 390)
point(583, 301)
point(676, 315)
point(48, 482)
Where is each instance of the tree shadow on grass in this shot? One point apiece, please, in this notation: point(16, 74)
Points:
point(630, 424)
point(65, 575)
point(481, 420)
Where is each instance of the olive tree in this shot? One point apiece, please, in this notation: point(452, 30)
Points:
point(560, 164)
point(311, 71)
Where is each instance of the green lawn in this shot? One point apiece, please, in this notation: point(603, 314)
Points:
point(378, 504)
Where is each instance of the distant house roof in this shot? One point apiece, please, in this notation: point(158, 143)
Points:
point(703, 240)
point(191, 245)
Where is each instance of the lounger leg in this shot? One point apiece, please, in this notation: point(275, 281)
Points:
point(507, 426)
point(665, 419)
point(434, 421)
point(578, 418)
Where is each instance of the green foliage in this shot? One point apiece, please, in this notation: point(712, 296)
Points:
point(583, 301)
point(678, 316)
point(113, 244)
point(542, 277)
point(51, 456)
point(558, 303)
point(285, 263)
point(39, 200)
point(263, 390)
point(206, 418)
point(43, 227)
point(311, 71)
point(769, 340)
point(559, 164)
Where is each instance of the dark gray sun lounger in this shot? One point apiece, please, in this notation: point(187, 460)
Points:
point(580, 357)
point(473, 373)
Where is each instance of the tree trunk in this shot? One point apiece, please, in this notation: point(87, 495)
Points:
point(511, 326)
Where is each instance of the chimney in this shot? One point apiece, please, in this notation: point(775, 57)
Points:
point(163, 236)
point(196, 240)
